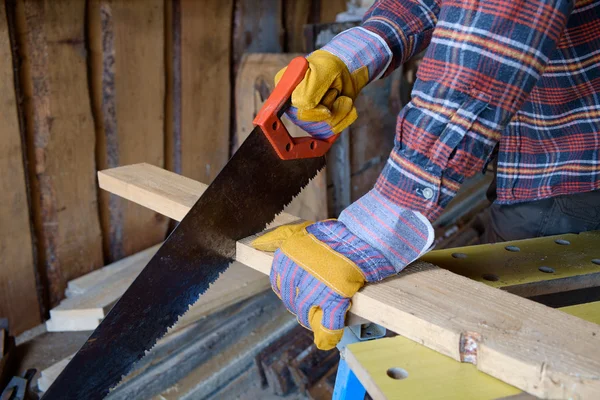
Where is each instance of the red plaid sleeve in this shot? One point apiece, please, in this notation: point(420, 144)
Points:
point(483, 60)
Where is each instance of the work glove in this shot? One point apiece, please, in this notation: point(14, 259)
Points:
point(323, 102)
point(318, 267)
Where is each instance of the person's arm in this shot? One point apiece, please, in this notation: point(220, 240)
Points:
point(392, 31)
point(483, 61)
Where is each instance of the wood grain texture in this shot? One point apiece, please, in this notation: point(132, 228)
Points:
point(60, 140)
point(205, 92)
point(331, 8)
point(18, 297)
point(253, 85)
point(86, 310)
point(538, 349)
point(296, 13)
point(257, 28)
point(128, 82)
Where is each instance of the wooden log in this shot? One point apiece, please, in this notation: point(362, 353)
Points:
point(60, 140)
point(128, 97)
point(18, 297)
point(506, 336)
point(205, 92)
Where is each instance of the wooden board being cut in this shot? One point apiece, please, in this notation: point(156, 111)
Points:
point(127, 78)
point(18, 298)
point(543, 351)
point(253, 85)
point(60, 139)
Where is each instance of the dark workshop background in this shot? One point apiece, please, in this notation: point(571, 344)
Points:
point(89, 85)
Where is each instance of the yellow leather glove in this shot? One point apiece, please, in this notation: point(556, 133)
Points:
point(316, 282)
point(323, 102)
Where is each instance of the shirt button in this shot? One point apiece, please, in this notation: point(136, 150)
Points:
point(428, 193)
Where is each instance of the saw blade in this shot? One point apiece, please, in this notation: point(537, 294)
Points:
point(248, 193)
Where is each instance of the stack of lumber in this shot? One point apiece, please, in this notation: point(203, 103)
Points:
point(199, 359)
point(90, 297)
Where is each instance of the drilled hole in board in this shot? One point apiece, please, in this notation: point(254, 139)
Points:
point(397, 373)
point(274, 125)
point(547, 270)
point(512, 248)
point(490, 277)
point(562, 242)
point(596, 261)
point(459, 255)
point(288, 147)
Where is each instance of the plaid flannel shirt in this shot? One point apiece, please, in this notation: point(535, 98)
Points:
point(521, 73)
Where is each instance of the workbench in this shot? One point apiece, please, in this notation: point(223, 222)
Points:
point(465, 310)
point(541, 268)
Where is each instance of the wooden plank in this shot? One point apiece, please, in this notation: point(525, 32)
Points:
point(253, 85)
point(297, 13)
point(506, 336)
point(212, 375)
point(85, 283)
point(18, 297)
point(205, 93)
point(60, 139)
point(257, 28)
point(331, 8)
point(85, 311)
point(128, 97)
point(206, 343)
point(173, 85)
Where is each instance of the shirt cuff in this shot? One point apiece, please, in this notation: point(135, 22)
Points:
point(358, 47)
point(410, 180)
point(400, 234)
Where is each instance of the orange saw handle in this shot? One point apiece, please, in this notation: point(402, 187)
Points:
point(287, 147)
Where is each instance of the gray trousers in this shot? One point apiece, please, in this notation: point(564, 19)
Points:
point(574, 213)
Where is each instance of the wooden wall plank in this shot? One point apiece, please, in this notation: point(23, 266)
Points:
point(60, 140)
point(128, 80)
point(173, 85)
point(331, 8)
point(18, 297)
point(257, 28)
point(206, 87)
point(296, 13)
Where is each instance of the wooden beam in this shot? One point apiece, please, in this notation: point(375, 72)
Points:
point(18, 297)
point(206, 89)
point(127, 77)
point(541, 350)
point(60, 140)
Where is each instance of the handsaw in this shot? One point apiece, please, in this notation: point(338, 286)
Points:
point(263, 176)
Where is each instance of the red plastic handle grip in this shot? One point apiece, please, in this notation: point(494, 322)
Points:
point(287, 147)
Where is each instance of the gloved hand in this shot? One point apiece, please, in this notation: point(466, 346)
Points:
point(319, 266)
point(323, 102)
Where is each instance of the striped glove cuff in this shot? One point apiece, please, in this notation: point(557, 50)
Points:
point(358, 47)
